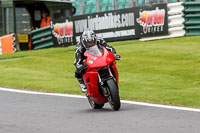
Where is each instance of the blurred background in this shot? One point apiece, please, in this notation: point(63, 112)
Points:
point(92, 6)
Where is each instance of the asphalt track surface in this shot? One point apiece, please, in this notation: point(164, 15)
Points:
point(29, 113)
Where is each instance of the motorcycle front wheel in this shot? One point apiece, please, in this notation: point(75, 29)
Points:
point(113, 94)
point(93, 104)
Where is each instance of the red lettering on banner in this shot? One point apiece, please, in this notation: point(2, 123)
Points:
point(151, 19)
point(63, 32)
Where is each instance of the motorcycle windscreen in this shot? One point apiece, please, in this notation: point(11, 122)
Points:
point(94, 50)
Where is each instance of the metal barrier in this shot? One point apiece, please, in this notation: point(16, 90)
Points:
point(192, 18)
point(42, 38)
point(176, 27)
point(176, 21)
point(175, 8)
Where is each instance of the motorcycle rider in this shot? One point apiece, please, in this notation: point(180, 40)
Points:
point(87, 40)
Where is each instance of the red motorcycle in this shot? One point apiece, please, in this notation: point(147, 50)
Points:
point(101, 78)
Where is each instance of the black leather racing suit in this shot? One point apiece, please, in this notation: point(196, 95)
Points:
point(79, 55)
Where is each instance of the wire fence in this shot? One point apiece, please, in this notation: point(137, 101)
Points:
point(93, 6)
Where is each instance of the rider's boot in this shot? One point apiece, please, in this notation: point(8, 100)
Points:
point(82, 85)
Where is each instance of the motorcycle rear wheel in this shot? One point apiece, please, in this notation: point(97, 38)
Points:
point(113, 94)
point(93, 104)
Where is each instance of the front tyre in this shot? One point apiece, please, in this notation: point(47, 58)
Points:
point(113, 94)
point(94, 105)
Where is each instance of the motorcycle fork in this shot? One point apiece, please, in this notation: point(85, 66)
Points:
point(104, 89)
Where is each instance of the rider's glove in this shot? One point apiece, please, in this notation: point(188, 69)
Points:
point(117, 57)
point(82, 67)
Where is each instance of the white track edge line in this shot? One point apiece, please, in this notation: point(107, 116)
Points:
point(122, 101)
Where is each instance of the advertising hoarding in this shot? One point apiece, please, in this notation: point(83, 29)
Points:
point(153, 20)
point(116, 25)
point(112, 25)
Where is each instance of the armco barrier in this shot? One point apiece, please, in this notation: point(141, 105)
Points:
point(42, 38)
point(7, 44)
point(191, 7)
point(192, 18)
point(175, 22)
point(192, 30)
point(175, 8)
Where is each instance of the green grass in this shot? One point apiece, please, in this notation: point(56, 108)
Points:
point(165, 71)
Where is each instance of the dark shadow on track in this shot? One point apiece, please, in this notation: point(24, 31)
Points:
point(107, 108)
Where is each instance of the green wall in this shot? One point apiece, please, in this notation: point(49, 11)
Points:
point(7, 17)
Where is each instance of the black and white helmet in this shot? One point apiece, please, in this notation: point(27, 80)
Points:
point(88, 39)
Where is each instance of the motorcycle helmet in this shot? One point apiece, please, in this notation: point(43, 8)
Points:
point(88, 39)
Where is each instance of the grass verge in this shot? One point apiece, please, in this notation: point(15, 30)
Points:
point(164, 71)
